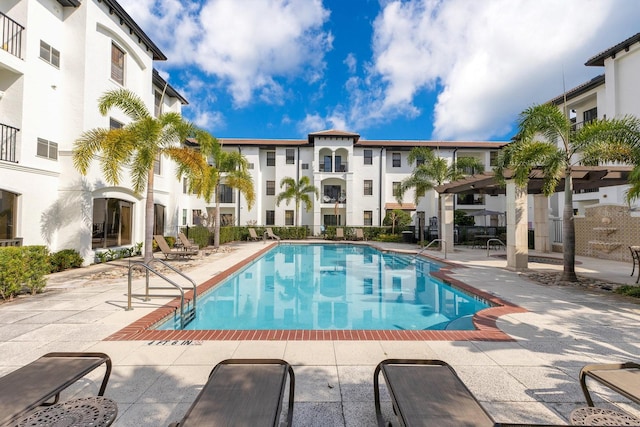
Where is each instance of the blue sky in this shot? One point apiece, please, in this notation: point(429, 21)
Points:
point(403, 70)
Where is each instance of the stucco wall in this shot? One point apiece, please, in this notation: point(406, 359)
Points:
point(607, 231)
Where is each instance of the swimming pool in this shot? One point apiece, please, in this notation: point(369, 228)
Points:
point(334, 287)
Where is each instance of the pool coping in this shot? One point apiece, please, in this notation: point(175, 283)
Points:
point(485, 320)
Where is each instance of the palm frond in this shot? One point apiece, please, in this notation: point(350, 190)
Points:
point(87, 147)
point(125, 100)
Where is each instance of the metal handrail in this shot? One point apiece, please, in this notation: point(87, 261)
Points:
point(431, 243)
point(494, 240)
point(11, 33)
point(148, 268)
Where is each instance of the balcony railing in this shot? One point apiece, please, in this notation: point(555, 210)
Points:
point(343, 167)
point(8, 143)
point(11, 35)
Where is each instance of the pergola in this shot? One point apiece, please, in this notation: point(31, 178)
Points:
point(583, 178)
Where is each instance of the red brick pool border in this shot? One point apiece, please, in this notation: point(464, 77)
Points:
point(484, 320)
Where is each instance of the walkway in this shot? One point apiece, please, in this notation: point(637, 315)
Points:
point(531, 379)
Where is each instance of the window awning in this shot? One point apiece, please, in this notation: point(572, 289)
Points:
point(401, 206)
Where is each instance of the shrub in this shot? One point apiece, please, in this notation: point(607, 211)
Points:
point(201, 235)
point(397, 219)
point(64, 260)
point(632, 291)
point(37, 265)
point(23, 266)
point(388, 238)
point(11, 271)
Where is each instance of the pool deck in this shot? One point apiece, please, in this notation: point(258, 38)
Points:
point(532, 377)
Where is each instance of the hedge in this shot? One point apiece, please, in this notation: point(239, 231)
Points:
point(23, 266)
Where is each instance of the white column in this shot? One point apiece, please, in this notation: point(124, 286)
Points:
point(541, 223)
point(517, 247)
point(446, 216)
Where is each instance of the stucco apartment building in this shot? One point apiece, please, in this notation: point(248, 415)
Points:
point(613, 94)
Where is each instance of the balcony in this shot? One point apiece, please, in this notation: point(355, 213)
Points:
point(8, 136)
point(470, 199)
point(342, 167)
point(11, 35)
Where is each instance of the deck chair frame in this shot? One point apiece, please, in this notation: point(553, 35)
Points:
point(253, 235)
point(339, 233)
point(167, 251)
point(186, 243)
point(623, 378)
point(256, 401)
point(419, 391)
point(40, 382)
point(271, 235)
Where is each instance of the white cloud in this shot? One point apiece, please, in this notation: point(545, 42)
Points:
point(249, 46)
point(487, 60)
point(351, 62)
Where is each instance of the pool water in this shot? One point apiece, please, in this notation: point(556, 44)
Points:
point(329, 287)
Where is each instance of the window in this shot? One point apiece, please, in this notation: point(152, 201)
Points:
point(368, 157)
point(112, 223)
point(367, 286)
point(114, 124)
point(326, 164)
point(590, 115)
point(396, 283)
point(117, 64)
point(185, 186)
point(396, 188)
point(339, 166)
point(271, 158)
point(157, 103)
point(368, 187)
point(395, 158)
point(226, 194)
point(271, 188)
point(291, 156)
point(184, 217)
point(49, 54)
point(270, 218)
point(368, 217)
point(288, 217)
point(158, 219)
point(331, 193)
point(305, 166)
point(493, 158)
point(8, 214)
point(419, 161)
point(196, 216)
point(157, 165)
point(250, 166)
point(47, 149)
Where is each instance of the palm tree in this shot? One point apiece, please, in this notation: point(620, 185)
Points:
point(213, 167)
point(564, 145)
point(135, 146)
point(433, 171)
point(298, 191)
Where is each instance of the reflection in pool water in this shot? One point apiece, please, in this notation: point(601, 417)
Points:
point(328, 287)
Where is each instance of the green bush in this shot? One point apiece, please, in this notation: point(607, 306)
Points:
point(631, 291)
point(200, 235)
point(11, 271)
point(23, 266)
point(37, 265)
point(388, 238)
point(401, 219)
point(64, 260)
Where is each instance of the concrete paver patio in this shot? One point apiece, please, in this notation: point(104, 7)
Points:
point(533, 378)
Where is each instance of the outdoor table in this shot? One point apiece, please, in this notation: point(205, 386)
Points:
point(88, 411)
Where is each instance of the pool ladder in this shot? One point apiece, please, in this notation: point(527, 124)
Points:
point(444, 243)
point(188, 313)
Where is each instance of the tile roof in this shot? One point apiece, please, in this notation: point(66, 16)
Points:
point(599, 59)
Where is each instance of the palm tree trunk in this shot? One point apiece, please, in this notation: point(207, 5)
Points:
point(297, 212)
point(148, 219)
point(568, 231)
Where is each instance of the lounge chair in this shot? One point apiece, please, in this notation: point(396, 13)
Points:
point(359, 234)
point(176, 253)
point(427, 392)
point(340, 233)
point(187, 244)
point(635, 258)
point(253, 235)
point(271, 235)
point(41, 381)
point(623, 378)
point(243, 392)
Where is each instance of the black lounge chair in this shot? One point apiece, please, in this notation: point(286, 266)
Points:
point(40, 382)
point(242, 392)
point(428, 393)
